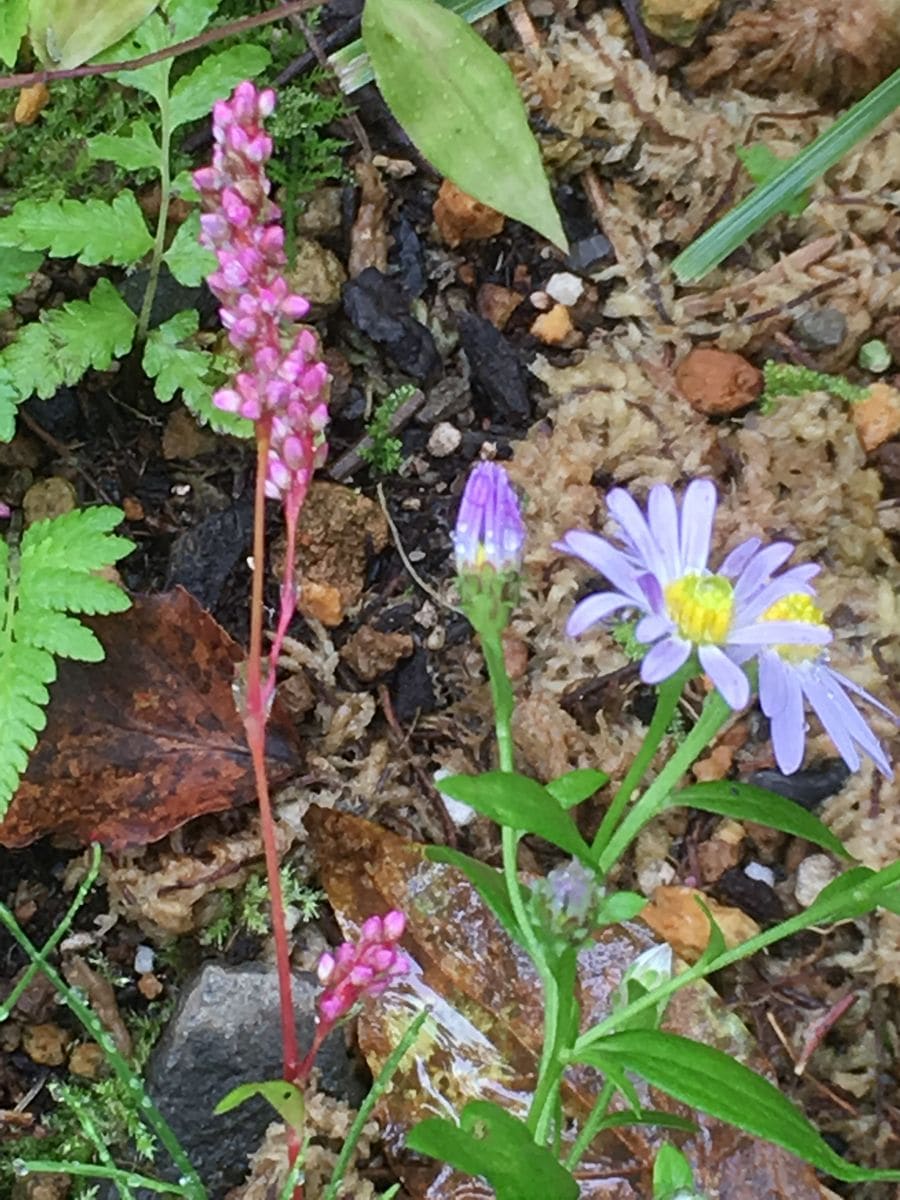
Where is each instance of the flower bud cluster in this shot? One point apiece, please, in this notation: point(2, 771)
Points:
point(364, 968)
point(284, 377)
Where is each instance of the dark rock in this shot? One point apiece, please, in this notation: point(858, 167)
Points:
point(202, 558)
point(225, 1031)
point(60, 416)
point(886, 459)
point(497, 371)
point(808, 787)
point(448, 398)
point(413, 691)
point(587, 253)
point(408, 257)
point(171, 296)
point(820, 328)
point(752, 896)
point(377, 306)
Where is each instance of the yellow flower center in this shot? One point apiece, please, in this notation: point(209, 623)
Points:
point(796, 607)
point(702, 607)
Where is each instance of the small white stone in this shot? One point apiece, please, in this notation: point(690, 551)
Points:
point(445, 439)
point(143, 960)
point(761, 874)
point(541, 301)
point(460, 814)
point(564, 288)
point(436, 639)
point(813, 874)
point(426, 616)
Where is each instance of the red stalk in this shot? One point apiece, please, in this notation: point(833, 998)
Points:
point(256, 715)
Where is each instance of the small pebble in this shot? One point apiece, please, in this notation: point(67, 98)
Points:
point(553, 327)
point(143, 960)
point(877, 418)
point(540, 300)
point(717, 382)
point(820, 328)
point(755, 870)
point(589, 252)
point(813, 874)
point(564, 288)
point(461, 218)
point(445, 440)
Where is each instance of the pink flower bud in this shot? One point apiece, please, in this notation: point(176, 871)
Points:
point(394, 925)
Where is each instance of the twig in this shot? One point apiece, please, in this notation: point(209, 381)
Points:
point(639, 31)
point(146, 60)
point(351, 462)
point(404, 558)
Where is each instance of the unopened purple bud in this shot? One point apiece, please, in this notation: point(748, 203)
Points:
point(213, 225)
point(489, 529)
point(243, 102)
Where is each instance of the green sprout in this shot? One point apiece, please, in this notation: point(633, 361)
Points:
point(385, 453)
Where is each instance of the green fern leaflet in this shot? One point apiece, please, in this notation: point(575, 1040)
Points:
point(49, 577)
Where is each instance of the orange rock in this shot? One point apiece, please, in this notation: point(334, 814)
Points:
point(497, 304)
point(461, 218)
point(716, 765)
point(553, 328)
point(46, 1044)
point(877, 418)
point(676, 916)
point(150, 986)
point(31, 103)
point(716, 382)
point(86, 1060)
point(322, 602)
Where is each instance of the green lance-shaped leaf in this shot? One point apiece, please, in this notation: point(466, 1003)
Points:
point(459, 103)
point(714, 1083)
point(492, 1142)
point(520, 803)
point(747, 803)
point(575, 786)
point(66, 33)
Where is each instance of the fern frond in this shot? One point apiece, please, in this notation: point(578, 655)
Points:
point(51, 577)
point(65, 342)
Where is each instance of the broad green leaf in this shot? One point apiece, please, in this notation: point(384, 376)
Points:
point(285, 1098)
point(459, 103)
point(13, 23)
point(671, 1173)
point(714, 1083)
point(136, 150)
point(15, 268)
point(575, 786)
point(619, 907)
point(92, 230)
point(520, 803)
point(188, 261)
point(215, 77)
point(67, 341)
point(188, 18)
point(66, 33)
point(491, 1142)
point(487, 882)
point(748, 803)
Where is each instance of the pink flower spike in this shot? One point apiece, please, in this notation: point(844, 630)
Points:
point(365, 968)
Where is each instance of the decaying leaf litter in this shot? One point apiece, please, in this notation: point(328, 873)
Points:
point(383, 684)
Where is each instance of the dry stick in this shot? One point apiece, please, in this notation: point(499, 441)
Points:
point(147, 60)
point(353, 459)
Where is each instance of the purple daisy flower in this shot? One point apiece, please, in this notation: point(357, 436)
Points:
point(790, 675)
point(662, 572)
point(489, 529)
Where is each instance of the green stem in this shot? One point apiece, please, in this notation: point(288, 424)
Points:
point(838, 908)
point(149, 1112)
point(503, 700)
point(392, 1062)
point(41, 1166)
point(666, 703)
point(56, 937)
point(591, 1127)
point(715, 713)
point(165, 197)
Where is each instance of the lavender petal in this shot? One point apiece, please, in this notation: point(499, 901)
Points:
point(757, 572)
point(788, 727)
point(664, 659)
point(662, 517)
point(698, 508)
point(595, 609)
point(634, 524)
point(605, 559)
point(726, 675)
point(736, 561)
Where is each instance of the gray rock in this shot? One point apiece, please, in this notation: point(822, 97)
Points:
point(226, 1031)
point(820, 328)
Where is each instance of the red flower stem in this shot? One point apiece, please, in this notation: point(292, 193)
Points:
point(288, 586)
point(255, 720)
